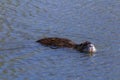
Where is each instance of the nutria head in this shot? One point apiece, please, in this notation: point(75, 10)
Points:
point(86, 47)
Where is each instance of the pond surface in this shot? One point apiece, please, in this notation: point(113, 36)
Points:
point(22, 22)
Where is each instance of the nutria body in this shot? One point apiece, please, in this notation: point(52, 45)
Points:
point(57, 42)
point(62, 42)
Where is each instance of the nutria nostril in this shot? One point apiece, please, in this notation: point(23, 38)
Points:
point(52, 42)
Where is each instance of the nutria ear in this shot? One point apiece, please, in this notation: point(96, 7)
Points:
point(85, 43)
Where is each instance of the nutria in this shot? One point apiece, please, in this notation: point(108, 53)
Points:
point(55, 42)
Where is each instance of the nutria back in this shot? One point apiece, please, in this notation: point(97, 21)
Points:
point(58, 42)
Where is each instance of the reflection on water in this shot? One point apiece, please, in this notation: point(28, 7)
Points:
point(22, 22)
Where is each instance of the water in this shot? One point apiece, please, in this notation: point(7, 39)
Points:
point(22, 22)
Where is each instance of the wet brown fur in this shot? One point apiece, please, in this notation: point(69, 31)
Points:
point(58, 42)
point(63, 42)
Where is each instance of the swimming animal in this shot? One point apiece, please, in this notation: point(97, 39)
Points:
point(55, 42)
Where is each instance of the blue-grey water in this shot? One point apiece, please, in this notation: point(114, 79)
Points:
point(22, 22)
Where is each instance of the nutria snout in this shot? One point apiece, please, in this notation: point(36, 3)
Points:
point(55, 42)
